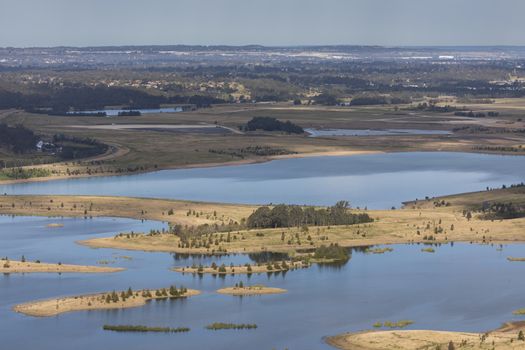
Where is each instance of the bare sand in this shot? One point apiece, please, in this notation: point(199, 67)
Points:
point(53, 307)
point(10, 266)
point(251, 290)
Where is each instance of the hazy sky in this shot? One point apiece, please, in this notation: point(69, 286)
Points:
point(266, 22)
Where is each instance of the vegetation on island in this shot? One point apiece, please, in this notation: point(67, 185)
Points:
point(428, 250)
point(283, 215)
point(143, 329)
point(397, 324)
point(378, 250)
point(221, 325)
point(331, 253)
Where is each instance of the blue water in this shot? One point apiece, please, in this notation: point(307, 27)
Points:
point(373, 132)
point(378, 181)
point(115, 112)
point(460, 287)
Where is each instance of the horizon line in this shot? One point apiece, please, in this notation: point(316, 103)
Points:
point(297, 46)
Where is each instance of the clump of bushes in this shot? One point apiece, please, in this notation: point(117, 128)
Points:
point(333, 252)
point(220, 325)
point(130, 328)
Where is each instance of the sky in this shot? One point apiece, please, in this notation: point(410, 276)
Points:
point(25, 23)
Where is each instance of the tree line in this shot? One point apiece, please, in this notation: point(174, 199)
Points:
point(283, 215)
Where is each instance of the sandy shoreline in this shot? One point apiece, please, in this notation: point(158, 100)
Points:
point(10, 266)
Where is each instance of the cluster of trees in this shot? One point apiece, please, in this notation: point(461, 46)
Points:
point(325, 99)
point(332, 252)
point(283, 215)
point(272, 124)
point(471, 114)
point(18, 139)
point(498, 210)
point(78, 147)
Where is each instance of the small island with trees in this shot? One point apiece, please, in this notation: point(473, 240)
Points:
point(241, 290)
point(102, 301)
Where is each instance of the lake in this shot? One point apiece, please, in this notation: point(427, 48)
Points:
point(115, 112)
point(378, 181)
point(459, 287)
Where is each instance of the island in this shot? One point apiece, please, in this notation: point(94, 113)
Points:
point(12, 266)
point(509, 336)
point(241, 290)
point(101, 301)
point(270, 267)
